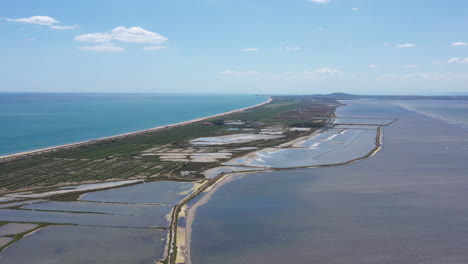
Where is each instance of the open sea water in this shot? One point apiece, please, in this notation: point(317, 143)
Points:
point(30, 121)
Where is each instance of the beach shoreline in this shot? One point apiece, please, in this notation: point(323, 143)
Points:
point(37, 152)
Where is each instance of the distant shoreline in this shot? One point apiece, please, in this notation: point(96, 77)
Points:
point(31, 153)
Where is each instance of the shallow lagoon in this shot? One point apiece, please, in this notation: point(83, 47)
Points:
point(107, 208)
point(15, 228)
point(79, 244)
point(159, 192)
point(92, 219)
point(328, 147)
point(5, 240)
point(405, 205)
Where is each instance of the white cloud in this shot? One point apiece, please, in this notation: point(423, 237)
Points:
point(132, 34)
point(292, 48)
point(324, 72)
point(459, 44)
point(373, 66)
point(37, 20)
point(250, 50)
point(320, 1)
point(63, 27)
point(245, 73)
point(411, 66)
point(407, 45)
point(42, 21)
point(137, 35)
point(355, 9)
point(107, 47)
point(155, 48)
point(94, 37)
point(458, 60)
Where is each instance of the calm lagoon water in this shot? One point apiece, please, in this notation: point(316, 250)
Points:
point(93, 219)
point(405, 205)
point(453, 112)
point(158, 192)
point(106, 208)
point(84, 244)
point(37, 120)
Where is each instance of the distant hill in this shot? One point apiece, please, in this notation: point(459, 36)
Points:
point(337, 96)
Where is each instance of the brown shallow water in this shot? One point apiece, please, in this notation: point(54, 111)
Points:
point(408, 204)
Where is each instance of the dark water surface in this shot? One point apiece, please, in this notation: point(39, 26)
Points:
point(408, 204)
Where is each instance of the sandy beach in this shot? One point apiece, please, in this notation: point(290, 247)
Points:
point(120, 136)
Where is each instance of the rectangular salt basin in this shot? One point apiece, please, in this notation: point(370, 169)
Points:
point(331, 152)
point(329, 140)
point(83, 244)
point(83, 218)
point(232, 139)
point(15, 228)
point(108, 208)
point(69, 189)
point(159, 192)
point(20, 203)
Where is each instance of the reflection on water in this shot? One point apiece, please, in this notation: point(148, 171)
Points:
point(405, 205)
point(82, 244)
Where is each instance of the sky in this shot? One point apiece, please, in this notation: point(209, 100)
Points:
point(235, 46)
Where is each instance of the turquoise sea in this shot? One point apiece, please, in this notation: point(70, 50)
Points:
point(30, 121)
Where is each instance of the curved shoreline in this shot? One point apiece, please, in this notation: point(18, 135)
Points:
point(31, 153)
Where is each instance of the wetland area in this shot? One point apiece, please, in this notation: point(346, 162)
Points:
point(296, 180)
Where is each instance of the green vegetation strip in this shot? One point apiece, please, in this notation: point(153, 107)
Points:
point(120, 158)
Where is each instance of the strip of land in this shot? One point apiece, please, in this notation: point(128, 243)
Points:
point(167, 153)
point(65, 147)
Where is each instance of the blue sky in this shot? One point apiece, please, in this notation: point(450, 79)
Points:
point(235, 46)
